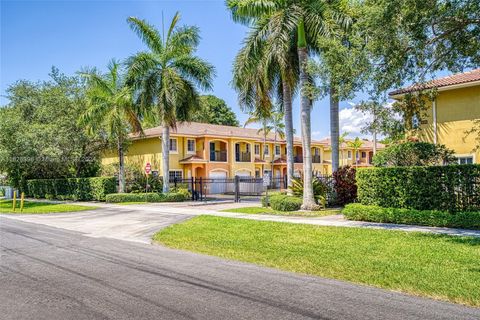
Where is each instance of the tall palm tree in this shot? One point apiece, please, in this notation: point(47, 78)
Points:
point(111, 111)
point(167, 76)
point(341, 140)
point(303, 21)
point(274, 57)
point(355, 145)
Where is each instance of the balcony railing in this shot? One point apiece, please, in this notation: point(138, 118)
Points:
point(220, 156)
point(298, 159)
point(243, 157)
point(316, 159)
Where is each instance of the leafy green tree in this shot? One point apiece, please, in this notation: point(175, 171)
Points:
point(410, 39)
point(215, 111)
point(385, 121)
point(40, 134)
point(111, 111)
point(167, 76)
point(414, 154)
point(304, 22)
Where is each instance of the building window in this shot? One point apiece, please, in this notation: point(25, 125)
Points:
point(257, 149)
point(465, 160)
point(257, 173)
point(349, 154)
point(364, 154)
point(415, 121)
point(172, 175)
point(190, 145)
point(173, 145)
point(247, 147)
point(277, 150)
point(266, 150)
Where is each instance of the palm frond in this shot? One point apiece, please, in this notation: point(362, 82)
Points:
point(147, 33)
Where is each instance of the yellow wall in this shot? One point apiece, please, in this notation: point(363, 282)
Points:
point(149, 150)
point(456, 111)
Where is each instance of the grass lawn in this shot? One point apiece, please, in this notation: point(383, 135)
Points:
point(437, 266)
point(41, 207)
point(263, 210)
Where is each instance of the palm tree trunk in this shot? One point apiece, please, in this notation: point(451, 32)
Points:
point(334, 128)
point(121, 167)
point(374, 142)
point(305, 114)
point(287, 108)
point(165, 157)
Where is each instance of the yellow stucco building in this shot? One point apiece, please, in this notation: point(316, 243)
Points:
point(451, 114)
point(217, 151)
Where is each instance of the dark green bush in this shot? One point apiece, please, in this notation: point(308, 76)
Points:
point(413, 153)
point(450, 188)
point(285, 203)
point(266, 200)
point(433, 218)
point(145, 197)
point(83, 189)
point(135, 197)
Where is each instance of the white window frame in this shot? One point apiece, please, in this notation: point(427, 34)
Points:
point(194, 146)
point(464, 156)
point(171, 144)
point(256, 149)
point(175, 171)
point(266, 150)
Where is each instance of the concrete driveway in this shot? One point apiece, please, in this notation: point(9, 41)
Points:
point(131, 223)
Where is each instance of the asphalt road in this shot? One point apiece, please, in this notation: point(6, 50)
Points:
point(51, 273)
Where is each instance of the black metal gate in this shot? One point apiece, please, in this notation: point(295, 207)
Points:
point(203, 189)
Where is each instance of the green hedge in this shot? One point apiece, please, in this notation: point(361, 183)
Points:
point(433, 218)
point(146, 197)
point(285, 203)
point(450, 188)
point(83, 189)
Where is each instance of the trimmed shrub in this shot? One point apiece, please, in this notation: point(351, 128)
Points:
point(433, 218)
point(83, 189)
point(445, 188)
point(266, 200)
point(134, 197)
point(285, 203)
point(145, 197)
point(345, 185)
point(175, 197)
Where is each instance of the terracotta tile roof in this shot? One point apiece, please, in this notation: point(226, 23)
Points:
point(193, 159)
point(459, 78)
point(367, 144)
point(280, 161)
point(196, 129)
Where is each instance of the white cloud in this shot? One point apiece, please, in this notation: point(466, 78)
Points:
point(316, 133)
point(352, 121)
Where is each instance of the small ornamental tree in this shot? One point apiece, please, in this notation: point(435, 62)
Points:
point(345, 185)
point(412, 153)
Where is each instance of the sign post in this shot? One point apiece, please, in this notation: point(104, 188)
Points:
point(266, 183)
point(148, 170)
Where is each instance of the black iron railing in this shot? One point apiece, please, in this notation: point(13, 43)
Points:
point(243, 157)
point(218, 156)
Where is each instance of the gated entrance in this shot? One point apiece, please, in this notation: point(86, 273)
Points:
point(203, 189)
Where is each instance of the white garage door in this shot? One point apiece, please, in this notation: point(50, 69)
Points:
point(219, 186)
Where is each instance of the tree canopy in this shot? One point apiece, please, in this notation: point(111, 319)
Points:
point(41, 137)
point(215, 111)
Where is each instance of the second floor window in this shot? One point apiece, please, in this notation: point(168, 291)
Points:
point(266, 150)
point(190, 145)
point(364, 154)
point(349, 154)
point(257, 149)
point(173, 145)
point(277, 150)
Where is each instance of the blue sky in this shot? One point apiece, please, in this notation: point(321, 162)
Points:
point(36, 35)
